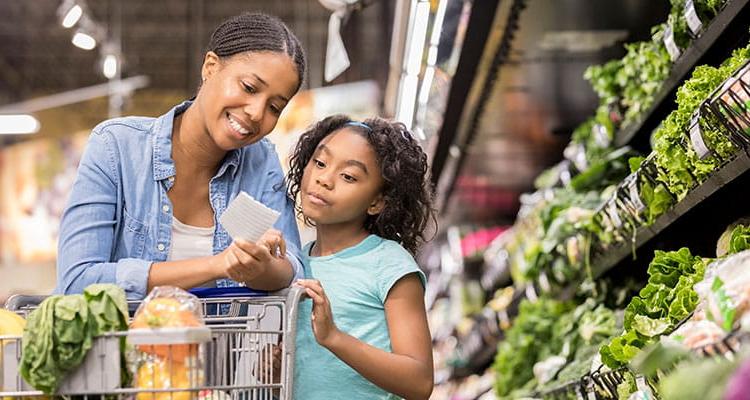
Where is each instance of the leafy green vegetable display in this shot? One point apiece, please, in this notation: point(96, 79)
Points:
point(526, 342)
point(667, 299)
point(550, 329)
point(680, 166)
point(740, 239)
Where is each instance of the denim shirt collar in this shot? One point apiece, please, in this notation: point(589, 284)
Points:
point(163, 162)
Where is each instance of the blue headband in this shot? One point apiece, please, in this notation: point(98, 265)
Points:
point(359, 124)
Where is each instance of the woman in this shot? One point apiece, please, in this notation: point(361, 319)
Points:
point(144, 209)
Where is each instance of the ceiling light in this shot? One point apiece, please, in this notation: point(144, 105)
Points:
point(84, 41)
point(109, 66)
point(72, 16)
point(18, 124)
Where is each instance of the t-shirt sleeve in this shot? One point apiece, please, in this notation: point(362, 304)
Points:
point(396, 263)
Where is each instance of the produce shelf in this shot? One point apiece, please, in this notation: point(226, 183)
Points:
point(726, 32)
point(725, 197)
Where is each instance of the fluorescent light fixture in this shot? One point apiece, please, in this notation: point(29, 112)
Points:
point(109, 66)
point(424, 91)
point(407, 100)
point(437, 26)
point(18, 124)
point(84, 41)
point(72, 16)
point(417, 39)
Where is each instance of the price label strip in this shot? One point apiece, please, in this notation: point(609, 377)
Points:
point(613, 214)
point(248, 219)
point(601, 136)
point(694, 22)
point(696, 137)
point(670, 44)
point(635, 196)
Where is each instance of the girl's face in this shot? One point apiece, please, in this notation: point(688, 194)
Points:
point(242, 96)
point(342, 182)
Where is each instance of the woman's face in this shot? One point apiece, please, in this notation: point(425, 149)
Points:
point(242, 96)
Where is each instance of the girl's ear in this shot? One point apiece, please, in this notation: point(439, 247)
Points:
point(377, 205)
point(210, 65)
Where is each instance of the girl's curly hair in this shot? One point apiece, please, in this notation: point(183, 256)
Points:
point(407, 192)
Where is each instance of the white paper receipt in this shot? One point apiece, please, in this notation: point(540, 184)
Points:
point(247, 218)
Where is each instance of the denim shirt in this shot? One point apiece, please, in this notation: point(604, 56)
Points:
point(118, 220)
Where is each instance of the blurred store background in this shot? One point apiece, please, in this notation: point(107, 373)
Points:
point(575, 146)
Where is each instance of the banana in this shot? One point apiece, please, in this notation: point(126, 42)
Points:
point(11, 323)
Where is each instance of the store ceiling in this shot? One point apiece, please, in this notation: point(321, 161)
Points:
point(165, 40)
point(540, 96)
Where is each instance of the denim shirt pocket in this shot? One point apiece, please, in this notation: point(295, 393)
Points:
point(133, 237)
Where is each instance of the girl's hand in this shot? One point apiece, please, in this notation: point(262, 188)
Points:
point(324, 328)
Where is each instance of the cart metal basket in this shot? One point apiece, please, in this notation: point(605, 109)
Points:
point(233, 356)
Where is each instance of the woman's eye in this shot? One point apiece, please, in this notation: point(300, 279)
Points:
point(319, 164)
point(276, 110)
point(348, 178)
point(248, 88)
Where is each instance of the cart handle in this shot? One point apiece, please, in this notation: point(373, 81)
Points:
point(18, 301)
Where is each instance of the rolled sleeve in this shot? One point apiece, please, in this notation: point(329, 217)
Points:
point(297, 268)
point(132, 277)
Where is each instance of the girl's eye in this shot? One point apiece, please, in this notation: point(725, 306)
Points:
point(319, 164)
point(348, 178)
point(276, 110)
point(248, 88)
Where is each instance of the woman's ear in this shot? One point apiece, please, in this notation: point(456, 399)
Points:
point(377, 205)
point(210, 65)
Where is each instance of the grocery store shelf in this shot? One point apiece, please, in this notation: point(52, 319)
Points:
point(726, 32)
point(477, 348)
point(695, 198)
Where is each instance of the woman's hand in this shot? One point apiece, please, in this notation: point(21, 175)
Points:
point(324, 328)
point(245, 261)
point(274, 242)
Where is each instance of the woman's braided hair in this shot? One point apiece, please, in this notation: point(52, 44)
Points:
point(403, 165)
point(255, 32)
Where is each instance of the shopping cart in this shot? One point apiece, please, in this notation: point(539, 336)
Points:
point(235, 359)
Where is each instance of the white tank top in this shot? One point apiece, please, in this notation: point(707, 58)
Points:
point(191, 242)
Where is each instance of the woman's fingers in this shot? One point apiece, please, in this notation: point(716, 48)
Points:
point(274, 241)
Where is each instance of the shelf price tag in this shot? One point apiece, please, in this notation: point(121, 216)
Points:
point(565, 176)
point(544, 282)
point(531, 293)
point(696, 137)
point(693, 21)
point(613, 215)
point(635, 196)
point(601, 136)
point(670, 44)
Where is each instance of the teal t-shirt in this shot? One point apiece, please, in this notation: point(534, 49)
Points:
point(357, 281)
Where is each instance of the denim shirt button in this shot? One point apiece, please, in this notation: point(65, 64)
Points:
point(165, 208)
point(160, 246)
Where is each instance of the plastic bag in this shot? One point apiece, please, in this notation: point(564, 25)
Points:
point(168, 366)
point(695, 334)
point(725, 291)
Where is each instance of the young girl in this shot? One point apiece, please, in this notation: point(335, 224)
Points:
point(365, 335)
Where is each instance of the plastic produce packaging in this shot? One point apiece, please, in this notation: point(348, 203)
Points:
point(167, 332)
